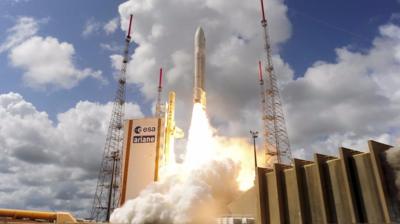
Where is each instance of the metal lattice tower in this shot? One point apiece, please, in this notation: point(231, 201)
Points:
point(106, 197)
point(276, 140)
point(159, 109)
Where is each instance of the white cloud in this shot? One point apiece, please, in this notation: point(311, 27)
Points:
point(165, 31)
point(24, 28)
point(330, 145)
point(54, 164)
point(113, 47)
point(111, 26)
point(91, 27)
point(349, 101)
point(48, 62)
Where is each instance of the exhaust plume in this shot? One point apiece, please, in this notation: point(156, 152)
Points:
point(393, 158)
point(193, 197)
point(216, 169)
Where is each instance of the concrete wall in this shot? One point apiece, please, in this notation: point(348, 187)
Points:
point(312, 194)
point(354, 188)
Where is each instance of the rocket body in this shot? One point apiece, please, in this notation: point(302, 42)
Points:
point(199, 94)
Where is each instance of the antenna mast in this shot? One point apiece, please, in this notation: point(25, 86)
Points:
point(276, 140)
point(107, 190)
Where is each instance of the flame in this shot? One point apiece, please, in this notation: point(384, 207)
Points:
point(201, 143)
point(205, 145)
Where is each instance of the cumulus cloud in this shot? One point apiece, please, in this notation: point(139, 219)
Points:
point(91, 27)
point(164, 31)
point(48, 62)
point(54, 164)
point(24, 28)
point(334, 103)
point(113, 47)
point(111, 26)
point(352, 99)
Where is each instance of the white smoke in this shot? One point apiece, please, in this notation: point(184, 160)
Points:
point(194, 196)
point(393, 158)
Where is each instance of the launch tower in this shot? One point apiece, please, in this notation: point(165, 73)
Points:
point(276, 140)
point(107, 189)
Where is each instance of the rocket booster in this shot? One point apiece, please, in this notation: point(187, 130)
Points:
point(199, 94)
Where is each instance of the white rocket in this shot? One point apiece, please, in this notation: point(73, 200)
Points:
point(199, 94)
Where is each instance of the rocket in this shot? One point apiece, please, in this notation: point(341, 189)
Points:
point(199, 94)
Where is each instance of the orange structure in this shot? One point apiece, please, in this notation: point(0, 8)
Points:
point(27, 216)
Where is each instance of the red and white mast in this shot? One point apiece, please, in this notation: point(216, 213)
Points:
point(276, 140)
point(106, 197)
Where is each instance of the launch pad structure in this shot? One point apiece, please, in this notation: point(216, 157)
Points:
point(113, 177)
point(149, 141)
point(276, 141)
point(353, 188)
point(107, 189)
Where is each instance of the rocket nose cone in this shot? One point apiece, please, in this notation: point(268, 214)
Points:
point(200, 39)
point(199, 31)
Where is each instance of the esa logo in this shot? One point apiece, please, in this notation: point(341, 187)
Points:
point(139, 129)
point(144, 134)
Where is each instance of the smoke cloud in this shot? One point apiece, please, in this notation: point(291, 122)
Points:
point(215, 170)
point(393, 158)
point(194, 196)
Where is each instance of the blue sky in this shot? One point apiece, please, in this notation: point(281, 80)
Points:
point(338, 64)
point(321, 26)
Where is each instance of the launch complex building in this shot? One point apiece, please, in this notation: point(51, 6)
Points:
point(356, 187)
